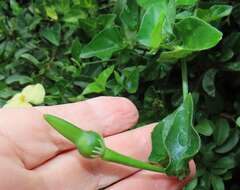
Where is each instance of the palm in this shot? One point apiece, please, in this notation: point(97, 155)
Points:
point(33, 156)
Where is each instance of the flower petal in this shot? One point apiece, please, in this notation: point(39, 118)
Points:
point(34, 93)
point(18, 100)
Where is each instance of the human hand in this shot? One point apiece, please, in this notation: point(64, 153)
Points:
point(34, 156)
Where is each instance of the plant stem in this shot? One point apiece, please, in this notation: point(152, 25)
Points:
point(112, 156)
point(184, 79)
point(95, 62)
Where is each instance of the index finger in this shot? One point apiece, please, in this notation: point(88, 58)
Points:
point(35, 142)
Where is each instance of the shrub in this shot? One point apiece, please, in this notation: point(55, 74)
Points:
point(84, 48)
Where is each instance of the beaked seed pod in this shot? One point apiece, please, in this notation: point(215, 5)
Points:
point(91, 144)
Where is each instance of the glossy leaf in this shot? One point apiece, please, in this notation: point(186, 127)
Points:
point(15, 7)
point(76, 49)
point(99, 85)
point(156, 25)
point(175, 141)
point(74, 15)
point(205, 127)
point(51, 12)
point(104, 44)
point(191, 185)
point(174, 55)
point(148, 3)
point(196, 35)
point(238, 121)
point(222, 131)
point(131, 82)
point(215, 12)
point(208, 82)
point(226, 162)
point(233, 66)
point(186, 2)
point(152, 25)
point(129, 16)
point(21, 79)
point(217, 183)
point(30, 58)
point(52, 34)
point(230, 143)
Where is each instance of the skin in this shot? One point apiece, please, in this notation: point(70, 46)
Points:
point(33, 156)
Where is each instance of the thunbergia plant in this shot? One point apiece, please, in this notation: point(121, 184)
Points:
point(176, 35)
point(139, 49)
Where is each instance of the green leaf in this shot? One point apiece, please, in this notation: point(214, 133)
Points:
point(21, 79)
point(222, 131)
point(131, 82)
point(104, 44)
point(233, 66)
point(174, 55)
point(205, 127)
point(208, 82)
point(191, 185)
point(15, 7)
point(156, 26)
point(227, 162)
point(230, 143)
point(148, 3)
point(2, 77)
point(118, 78)
point(218, 171)
point(196, 35)
point(30, 58)
point(151, 27)
point(215, 12)
point(74, 15)
point(175, 141)
point(51, 12)
point(217, 183)
point(99, 85)
point(238, 121)
point(106, 20)
point(6, 93)
point(129, 15)
point(52, 34)
point(76, 49)
point(186, 2)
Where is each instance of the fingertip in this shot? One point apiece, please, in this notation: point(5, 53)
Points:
point(105, 114)
point(119, 113)
point(192, 168)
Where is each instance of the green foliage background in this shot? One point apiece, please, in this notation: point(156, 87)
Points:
point(50, 42)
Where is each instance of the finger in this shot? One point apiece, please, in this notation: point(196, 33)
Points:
point(35, 142)
point(97, 173)
point(145, 180)
point(192, 168)
point(135, 143)
point(12, 173)
point(106, 115)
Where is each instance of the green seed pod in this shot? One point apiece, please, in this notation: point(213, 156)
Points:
point(90, 144)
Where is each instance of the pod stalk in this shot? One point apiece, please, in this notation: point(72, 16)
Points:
point(91, 145)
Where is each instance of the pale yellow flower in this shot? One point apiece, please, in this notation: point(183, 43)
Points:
point(18, 100)
point(34, 93)
point(31, 94)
